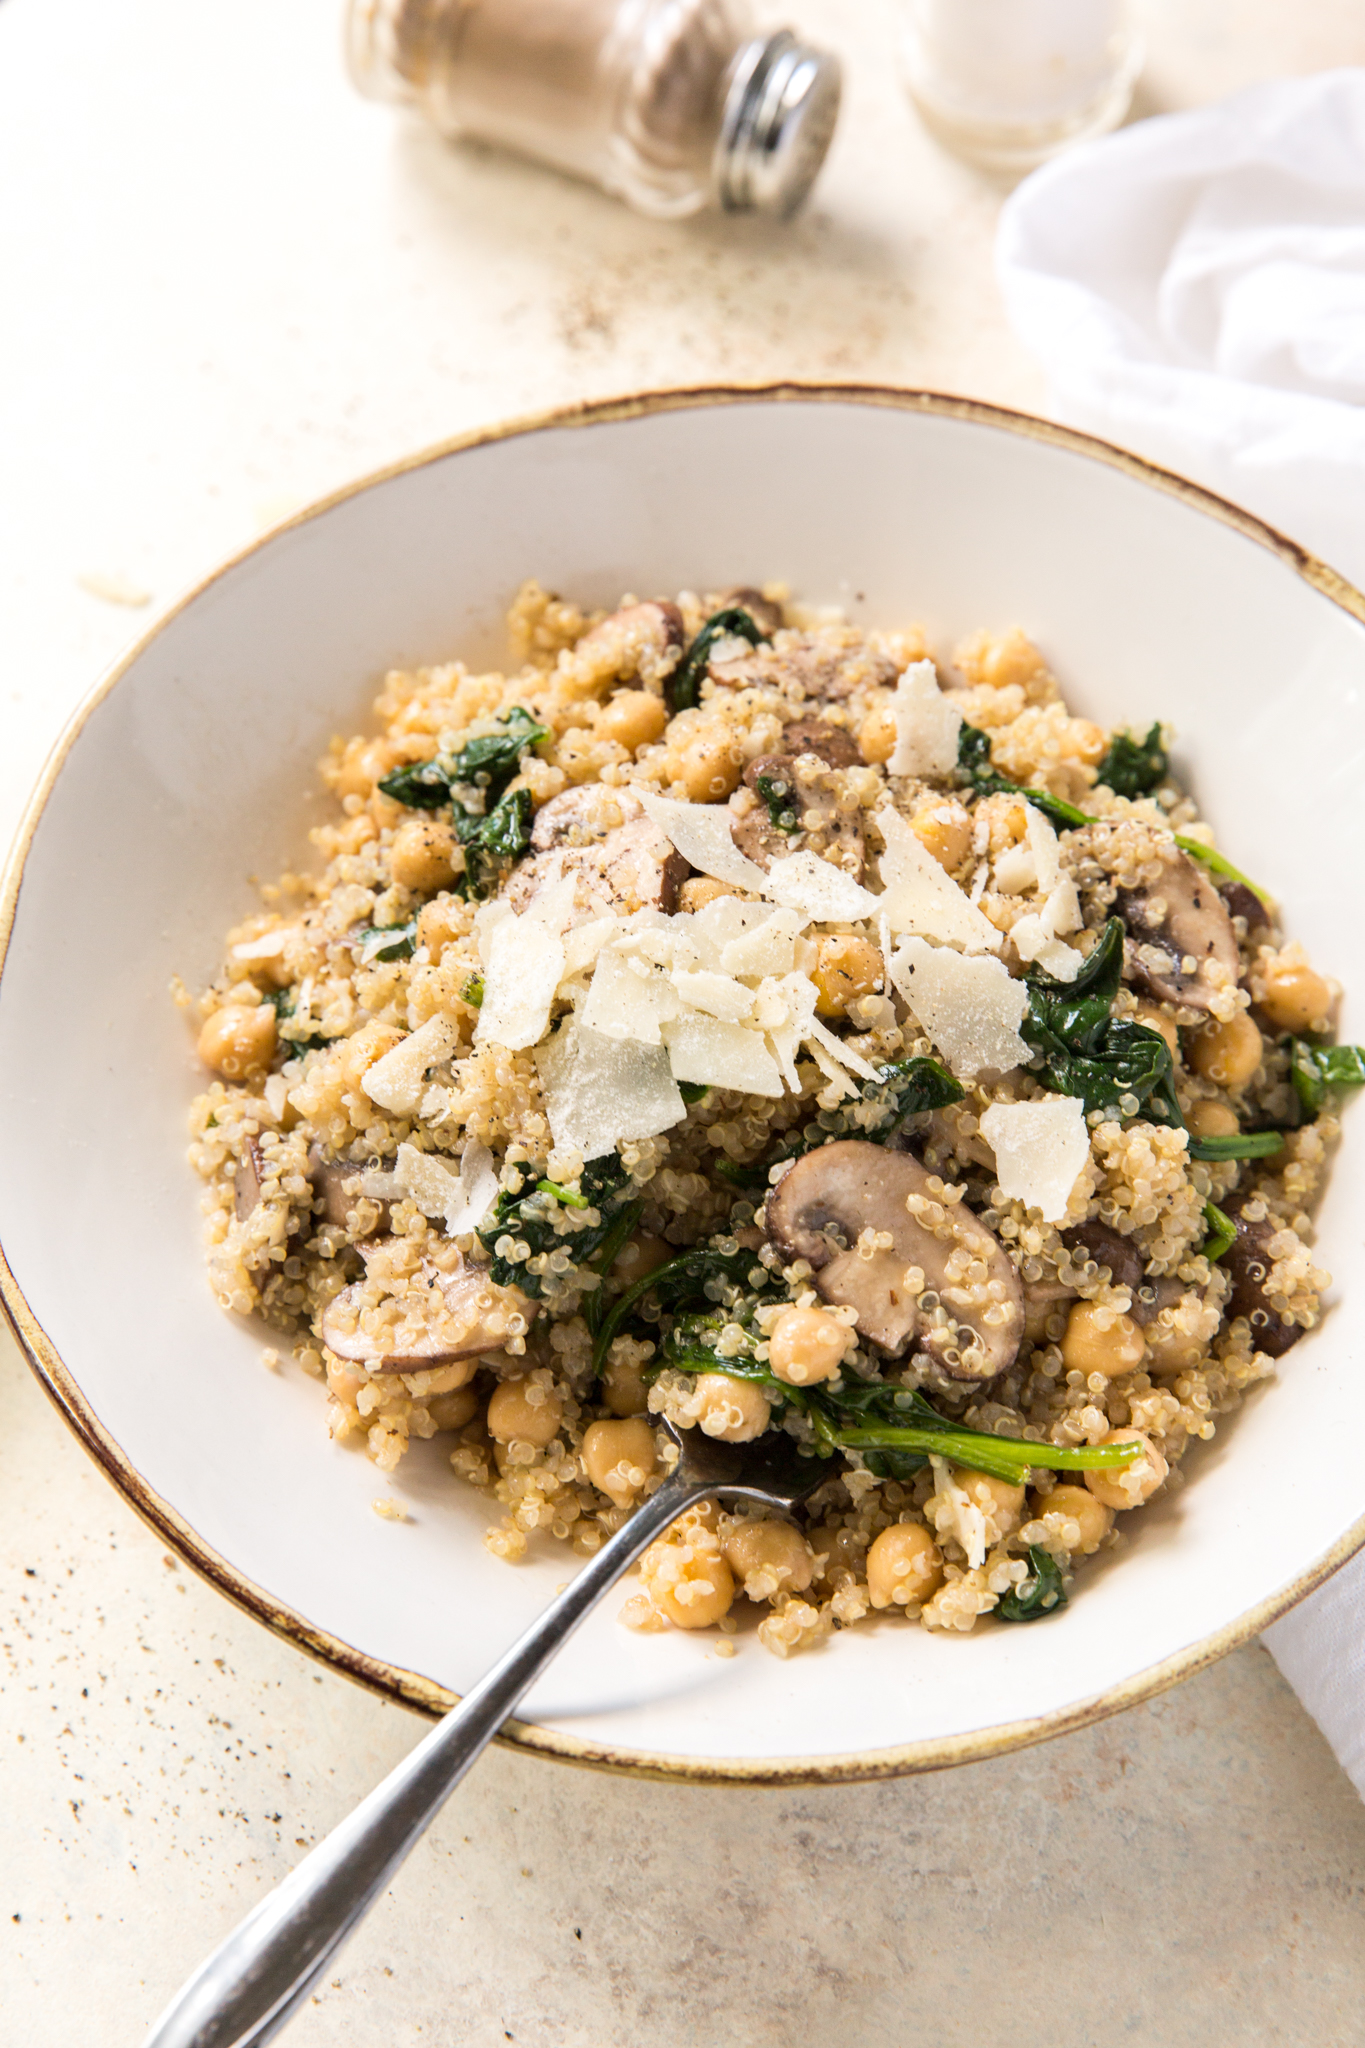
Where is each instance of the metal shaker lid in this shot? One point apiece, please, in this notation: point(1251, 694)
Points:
point(779, 118)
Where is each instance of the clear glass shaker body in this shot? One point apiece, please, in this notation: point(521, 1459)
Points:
point(669, 104)
point(1008, 83)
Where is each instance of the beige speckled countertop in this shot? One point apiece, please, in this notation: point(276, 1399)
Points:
point(228, 286)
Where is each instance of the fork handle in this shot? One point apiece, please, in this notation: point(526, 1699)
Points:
point(245, 1992)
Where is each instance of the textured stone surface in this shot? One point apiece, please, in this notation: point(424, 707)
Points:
point(229, 286)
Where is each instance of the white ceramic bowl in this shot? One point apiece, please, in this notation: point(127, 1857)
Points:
point(183, 776)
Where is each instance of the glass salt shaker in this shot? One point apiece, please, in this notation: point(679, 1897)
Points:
point(672, 105)
point(1008, 83)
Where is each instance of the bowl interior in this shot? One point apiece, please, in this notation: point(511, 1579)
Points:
point(194, 772)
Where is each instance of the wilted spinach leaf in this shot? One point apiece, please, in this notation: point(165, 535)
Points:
point(974, 765)
point(1238, 1145)
point(492, 843)
point(386, 942)
point(421, 785)
point(491, 761)
point(1315, 1068)
point(1133, 767)
point(1089, 1053)
point(731, 622)
point(529, 1217)
point(779, 797)
point(1042, 1592)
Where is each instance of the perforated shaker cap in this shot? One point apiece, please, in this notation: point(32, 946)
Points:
point(779, 117)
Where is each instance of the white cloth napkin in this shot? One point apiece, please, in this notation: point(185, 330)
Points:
point(1195, 288)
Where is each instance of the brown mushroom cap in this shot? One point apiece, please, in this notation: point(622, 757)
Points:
point(1184, 917)
point(852, 1186)
point(443, 1316)
point(766, 615)
point(1248, 1261)
point(1125, 1267)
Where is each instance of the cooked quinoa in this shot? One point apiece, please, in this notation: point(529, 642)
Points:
point(734, 1016)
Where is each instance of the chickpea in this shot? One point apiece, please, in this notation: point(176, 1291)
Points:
point(699, 890)
point(903, 1564)
point(837, 1548)
point(945, 830)
point(1228, 1054)
point(1157, 1020)
point(1169, 1349)
point(774, 1555)
point(877, 739)
point(1211, 1120)
point(455, 1409)
point(1130, 1485)
point(440, 924)
point(420, 856)
point(235, 1040)
point(362, 764)
point(845, 968)
point(513, 1417)
point(632, 718)
point(639, 1255)
point(345, 1381)
point(808, 1344)
point(998, 1499)
point(707, 770)
point(618, 1458)
point(1296, 998)
point(1098, 1340)
point(690, 1583)
point(624, 1389)
point(1078, 1505)
point(734, 1410)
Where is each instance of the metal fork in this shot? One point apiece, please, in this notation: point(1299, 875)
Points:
point(246, 1991)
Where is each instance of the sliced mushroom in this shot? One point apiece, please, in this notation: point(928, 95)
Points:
point(838, 828)
point(1244, 902)
point(246, 1182)
point(1248, 1260)
point(1120, 1257)
point(827, 1200)
point(766, 615)
point(1181, 919)
point(639, 640)
point(336, 1189)
point(584, 816)
point(434, 1318)
point(828, 666)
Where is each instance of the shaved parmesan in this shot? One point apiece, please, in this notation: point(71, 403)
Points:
point(1040, 1148)
point(462, 1199)
point(701, 833)
point(267, 948)
point(768, 948)
point(716, 1054)
point(817, 891)
point(395, 1082)
point(1047, 854)
point(629, 998)
point(583, 944)
point(786, 1008)
point(719, 995)
point(920, 897)
point(523, 967)
point(969, 1006)
point(927, 725)
point(1037, 937)
point(600, 1091)
point(1016, 871)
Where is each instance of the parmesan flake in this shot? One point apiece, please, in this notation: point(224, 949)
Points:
point(701, 833)
point(919, 896)
point(395, 1082)
point(927, 725)
point(969, 1005)
point(1040, 1148)
point(599, 1091)
point(817, 891)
